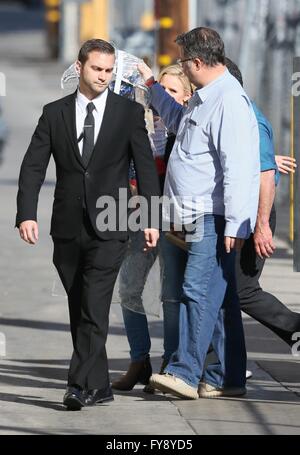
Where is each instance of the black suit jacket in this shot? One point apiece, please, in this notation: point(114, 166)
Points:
point(122, 136)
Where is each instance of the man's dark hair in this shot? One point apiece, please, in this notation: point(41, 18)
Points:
point(94, 45)
point(234, 70)
point(204, 43)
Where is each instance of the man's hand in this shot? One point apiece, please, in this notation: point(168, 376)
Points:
point(232, 243)
point(285, 164)
point(145, 71)
point(263, 240)
point(151, 238)
point(29, 231)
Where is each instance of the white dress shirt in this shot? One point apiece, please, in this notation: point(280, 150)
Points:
point(81, 113)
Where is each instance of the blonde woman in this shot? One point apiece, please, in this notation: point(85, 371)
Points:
point(137, 264)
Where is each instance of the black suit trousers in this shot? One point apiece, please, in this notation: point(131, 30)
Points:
point(257, 303)
point(88, 268)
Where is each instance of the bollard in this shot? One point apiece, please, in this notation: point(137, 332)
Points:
point(52, 16)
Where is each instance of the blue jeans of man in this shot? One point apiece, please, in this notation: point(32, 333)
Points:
point(210, 313)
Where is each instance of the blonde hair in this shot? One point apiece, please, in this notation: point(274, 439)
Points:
point(176, 70)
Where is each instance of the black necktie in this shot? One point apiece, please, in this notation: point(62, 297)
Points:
point(88, 135)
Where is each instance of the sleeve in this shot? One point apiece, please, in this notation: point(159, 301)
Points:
point(146, 173)
point(238, 148)
point(266, 145)
point(33, 171)
point(168, 109)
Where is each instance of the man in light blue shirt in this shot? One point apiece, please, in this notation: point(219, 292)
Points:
point(215, 165)
point(205, 129)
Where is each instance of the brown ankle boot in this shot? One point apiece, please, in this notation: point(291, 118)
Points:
point(148, 388)
point(137, 372)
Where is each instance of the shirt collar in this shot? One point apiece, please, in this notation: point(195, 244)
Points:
point(99, 101)
point(204, 92)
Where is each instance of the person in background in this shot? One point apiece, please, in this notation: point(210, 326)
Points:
point(137, 265)
point(254, 301)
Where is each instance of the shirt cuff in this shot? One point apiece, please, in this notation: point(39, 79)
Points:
point(149, 82)
point(268, 167)
point(238, 230)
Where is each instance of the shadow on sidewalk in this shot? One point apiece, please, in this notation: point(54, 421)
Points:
point(155, 327)
point(31, 401)
point(29, 431)
point(259, 390)
point(40, 325)
point(30, 376)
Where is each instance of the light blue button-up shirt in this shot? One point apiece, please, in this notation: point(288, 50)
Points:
point(214, 166)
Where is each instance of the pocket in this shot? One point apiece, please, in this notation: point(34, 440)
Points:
point(188, 133)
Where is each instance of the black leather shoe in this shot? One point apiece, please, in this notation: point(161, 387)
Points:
point(74, 398)
point(96, 396)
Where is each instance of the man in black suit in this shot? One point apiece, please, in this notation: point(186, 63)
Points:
point(92, 135)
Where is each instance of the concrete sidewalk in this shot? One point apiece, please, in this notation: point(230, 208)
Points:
point(33, 373)
point(35, 324)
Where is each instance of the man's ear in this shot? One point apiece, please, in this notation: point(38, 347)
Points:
point(198, 63)
point(78, 66)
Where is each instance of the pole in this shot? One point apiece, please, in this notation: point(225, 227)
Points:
point(69, 30)
point(173, 19)
point(94, 20)
point(52, 17)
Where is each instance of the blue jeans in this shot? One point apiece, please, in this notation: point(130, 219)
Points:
point(173, 261)
point(133, 276)
point(136, 326)
point(210, 313)
point(138, 336)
